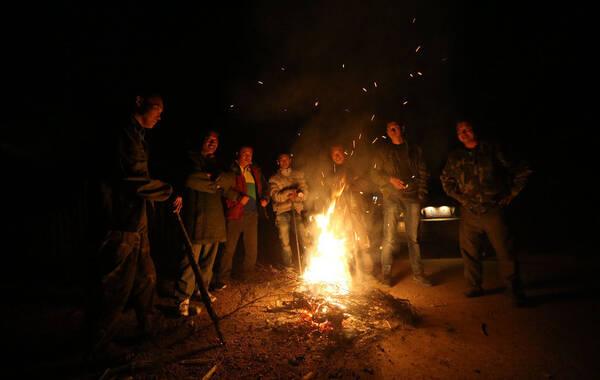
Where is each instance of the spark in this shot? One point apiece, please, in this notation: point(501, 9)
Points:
point(376, 138)
point(346, 153)
point(418, 48)
point(364, 89)
point(343, 65)
point(351, 153)
point(282, 68)
point(260, 82)
point(359, 135)
point(231, 106)
point(316, 103)
point(375, 166)
point(410, 75)
point(384, 136)
point(353, 144)
point(375, 84)
point(346, 110)
point(322, 174)
point(373, 117)
point(413, 20)
point(404, 102)
point(420, 73)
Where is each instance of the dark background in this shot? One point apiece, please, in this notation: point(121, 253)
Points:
point(523, 73)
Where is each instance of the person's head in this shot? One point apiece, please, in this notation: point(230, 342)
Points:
point(284, 160)
point(466, 134)
point(244, 156)
point(210, 143)
point(395, 132)
point(337, 154)
point(148, 109)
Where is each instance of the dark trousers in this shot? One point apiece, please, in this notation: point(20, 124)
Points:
point(492, 224)
point(248, 227)
point(204, 255)
point(127, 277)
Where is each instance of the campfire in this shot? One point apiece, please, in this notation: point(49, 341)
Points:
point(326, 303)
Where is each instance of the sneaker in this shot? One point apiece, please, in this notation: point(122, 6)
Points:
point(475, 291)
point(198, 295)
point(218, 286)
point(184, 307)
point(422, 280)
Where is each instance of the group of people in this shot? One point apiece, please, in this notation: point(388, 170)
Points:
point(219, 205)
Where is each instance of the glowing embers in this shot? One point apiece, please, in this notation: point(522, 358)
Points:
point(328, 272)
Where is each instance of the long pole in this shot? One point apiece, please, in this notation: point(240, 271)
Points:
point(200, 281)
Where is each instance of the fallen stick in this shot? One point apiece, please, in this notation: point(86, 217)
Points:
point(210, 373)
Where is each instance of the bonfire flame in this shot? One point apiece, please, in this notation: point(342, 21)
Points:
point(327, 268)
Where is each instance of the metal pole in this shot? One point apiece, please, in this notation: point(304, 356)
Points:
point(200, 281)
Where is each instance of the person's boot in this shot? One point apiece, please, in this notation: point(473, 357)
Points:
point(423, 280)
point(515, 293)
point(474, 291)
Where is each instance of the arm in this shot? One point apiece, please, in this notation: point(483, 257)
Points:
point(518, 173)
point(450, 182)
point(278, 194)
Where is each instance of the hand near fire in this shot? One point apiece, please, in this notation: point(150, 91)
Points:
point(398, 183)
point(506, 200)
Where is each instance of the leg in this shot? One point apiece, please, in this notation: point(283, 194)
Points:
point(117, 267)
point(206, 261)
point(145, 283)
point(225, 262)
point(495, 228)
point(412, 217)
point(391, 213)
point(468, 238)
point(283, 226)
point(250, 228)
point(184, 286)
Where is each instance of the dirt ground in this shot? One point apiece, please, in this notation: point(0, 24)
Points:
point(554, 337)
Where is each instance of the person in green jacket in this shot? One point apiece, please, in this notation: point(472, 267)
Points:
point(203, 217)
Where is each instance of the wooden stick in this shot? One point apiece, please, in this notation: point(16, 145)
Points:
point(200, 281)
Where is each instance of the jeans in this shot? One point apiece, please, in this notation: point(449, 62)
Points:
point(492, 224)
point(204, 255)
point(391, 218)
point(284, 223)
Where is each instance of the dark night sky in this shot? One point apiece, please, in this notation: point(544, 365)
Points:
point(519, 71)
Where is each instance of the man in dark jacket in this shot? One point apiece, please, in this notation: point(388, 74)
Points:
point(248, 193)
point(401, 174)
point(203, 217)
point(483, 181)
point(124, 266)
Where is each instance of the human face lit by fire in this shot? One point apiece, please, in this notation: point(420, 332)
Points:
point(284, 161)
point(394, 131)
point(465, 134)
point(211, 142)
point(151, 112)
point(337, 155)
point(245, 156)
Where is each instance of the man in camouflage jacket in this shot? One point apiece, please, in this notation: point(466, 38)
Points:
point(483, 181)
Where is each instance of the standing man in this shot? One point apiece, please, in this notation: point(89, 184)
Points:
point(247, 194)
point(401, 174)
point(288, 189)
point(483, 181)
point(123, 266)
point(351, 205)
point(203, 217)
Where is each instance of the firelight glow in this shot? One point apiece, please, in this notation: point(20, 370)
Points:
point(328, 261)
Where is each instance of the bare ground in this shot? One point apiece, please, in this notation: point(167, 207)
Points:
point(554, 337)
